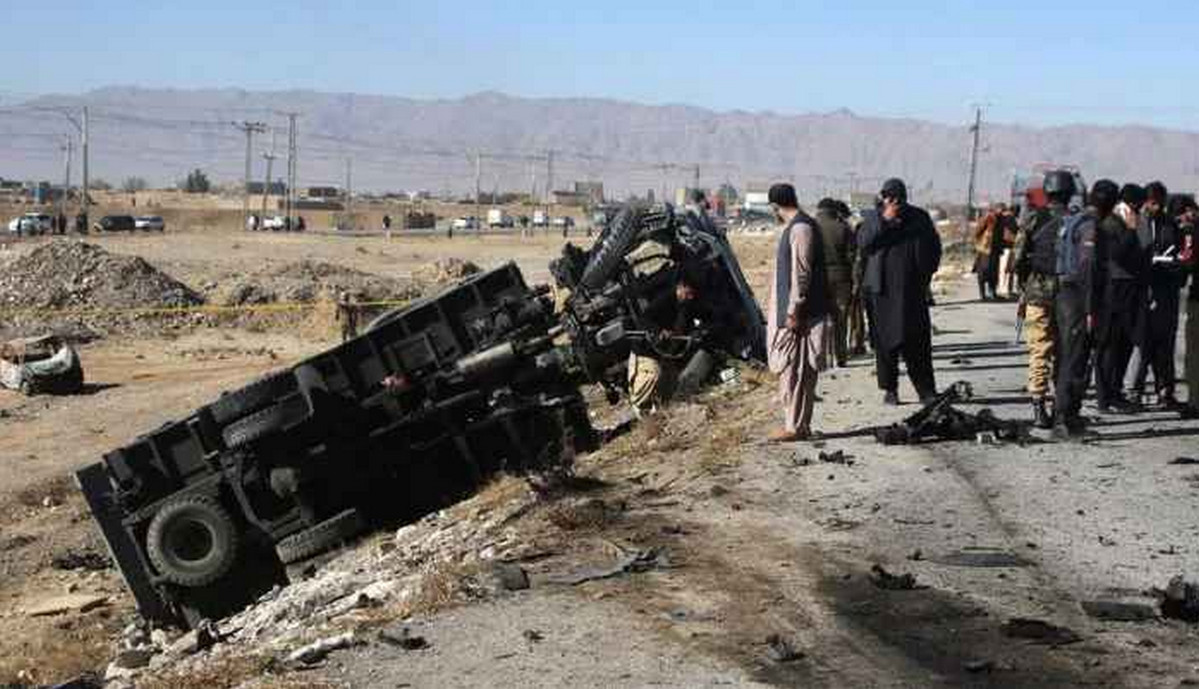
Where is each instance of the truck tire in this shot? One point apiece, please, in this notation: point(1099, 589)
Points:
point(610, 249)
point(288, 412)
point(317, 539)
point(244, 401)
point(192, 542)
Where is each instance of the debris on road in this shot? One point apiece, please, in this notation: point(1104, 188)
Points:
point(89, 560)
point(1180, 600)
point(1117, 611)
point(403, 639)
point(445, 270)
point(980, 558)
point(780, 650)
point(639, 561)
point(887, 581)
point(939, 420)
point(73, 602)
point(1185, 461)
point(1039, 631)
point(316, 651)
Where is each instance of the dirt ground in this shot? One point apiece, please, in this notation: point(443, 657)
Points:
point(755, 540)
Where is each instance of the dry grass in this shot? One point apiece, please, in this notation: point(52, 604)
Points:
point(225, 673)
point(575, 515)
point(52, 657)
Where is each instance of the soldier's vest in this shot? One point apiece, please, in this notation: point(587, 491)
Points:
point(1042, 250)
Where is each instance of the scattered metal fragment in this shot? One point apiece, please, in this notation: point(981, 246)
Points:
point(780, 650)
point(1180, 600)
point(404, 639)
point(89, 560)
point(940, 420)
point(1184, 460)
point(1039, 631)
point(979, 666)
point(887, 581)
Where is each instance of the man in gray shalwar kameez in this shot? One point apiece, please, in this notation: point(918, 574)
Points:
point(798, 314)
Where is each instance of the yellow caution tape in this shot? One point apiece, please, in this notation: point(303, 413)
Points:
point(184, 310)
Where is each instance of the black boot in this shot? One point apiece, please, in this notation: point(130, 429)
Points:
point(1040, 415)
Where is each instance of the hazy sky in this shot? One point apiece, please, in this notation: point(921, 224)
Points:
point(1038, 62)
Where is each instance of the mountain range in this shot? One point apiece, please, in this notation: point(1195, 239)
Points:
point(394, 143)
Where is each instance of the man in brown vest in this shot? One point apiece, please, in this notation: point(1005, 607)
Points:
point(798, 315)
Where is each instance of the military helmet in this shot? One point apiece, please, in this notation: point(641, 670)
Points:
point(1059, 183)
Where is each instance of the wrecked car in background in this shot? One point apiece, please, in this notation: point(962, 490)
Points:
point(40, 365)
point(205, 514)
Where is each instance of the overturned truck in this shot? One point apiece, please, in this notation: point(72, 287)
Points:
point(206, 513)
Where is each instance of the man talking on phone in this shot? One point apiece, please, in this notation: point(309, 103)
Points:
point(902, 251)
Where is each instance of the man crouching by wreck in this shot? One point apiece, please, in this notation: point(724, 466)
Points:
point(798, 314)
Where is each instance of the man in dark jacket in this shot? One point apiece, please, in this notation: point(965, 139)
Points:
point(1160, 239)
point(838, 267)
point(1080, 261)
point(1187, 215)
point(902, 251)
point(1123, 295)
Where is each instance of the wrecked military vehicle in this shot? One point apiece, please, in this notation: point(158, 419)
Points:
point(206, 513)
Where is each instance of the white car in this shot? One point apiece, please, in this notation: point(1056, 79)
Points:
point(275, 222)
point(32, 223)
point(149, 222)
point(467, 223)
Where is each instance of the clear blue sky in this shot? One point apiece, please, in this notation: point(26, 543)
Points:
point(1038, 62)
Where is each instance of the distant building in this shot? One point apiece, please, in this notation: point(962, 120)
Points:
point(593, 191)
point(322, 193)
point(277, 188)
point(569, 198)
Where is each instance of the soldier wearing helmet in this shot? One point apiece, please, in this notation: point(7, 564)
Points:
point(1036, 267)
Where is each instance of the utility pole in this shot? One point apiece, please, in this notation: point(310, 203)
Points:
point(478, 190)
point(696, 183)
point(250, 128)
point(266, 185)
point(350, 192)
point(291, 168)
point(66, 178)
point(83, 142)
point(977, 131)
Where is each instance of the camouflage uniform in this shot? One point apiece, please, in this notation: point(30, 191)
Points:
point(1040, 291)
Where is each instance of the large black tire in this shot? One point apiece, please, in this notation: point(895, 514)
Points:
point(288, 412)
point(192, 542)
point(259, 394)
point(317, 539)
point(611, 248)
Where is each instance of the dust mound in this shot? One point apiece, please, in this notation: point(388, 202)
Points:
point(445, 270)
point(75, 275)
point(310, 281)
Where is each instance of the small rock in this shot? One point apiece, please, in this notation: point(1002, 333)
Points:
point(116, 673)
point(979, 666)
point(532, 635)
point(404, 639)
point(892, 582)
point(510, 576)
point(160, 638)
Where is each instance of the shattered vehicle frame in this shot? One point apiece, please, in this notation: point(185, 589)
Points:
point(40, 365)
point(205, 514)
point(940, 420)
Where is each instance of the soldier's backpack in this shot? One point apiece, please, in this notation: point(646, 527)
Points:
point(1068, 242)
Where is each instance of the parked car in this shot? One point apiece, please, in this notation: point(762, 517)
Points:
point(32, 223)
point(37, 365)
point(469, 222)
point(564, 221)
point(540, 219)
point(496, 217)
point(116, 223)
point(149, 223)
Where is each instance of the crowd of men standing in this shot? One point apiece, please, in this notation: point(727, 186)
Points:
point(1100, 274)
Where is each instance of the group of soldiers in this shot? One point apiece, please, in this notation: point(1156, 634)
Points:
point(1101, 274)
